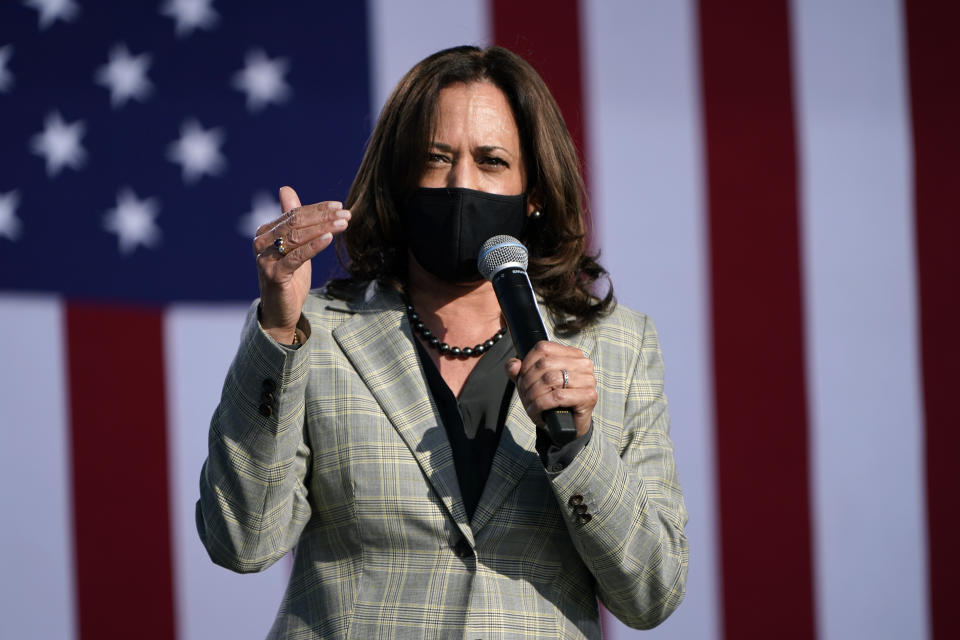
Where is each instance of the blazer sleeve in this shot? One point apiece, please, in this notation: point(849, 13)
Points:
point(621, 497)
point(253, 498)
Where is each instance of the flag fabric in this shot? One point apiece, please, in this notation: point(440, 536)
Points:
point(782, 173)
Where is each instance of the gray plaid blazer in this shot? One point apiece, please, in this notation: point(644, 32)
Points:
point(336, 450)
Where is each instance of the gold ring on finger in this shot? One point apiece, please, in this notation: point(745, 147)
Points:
point(278, 243)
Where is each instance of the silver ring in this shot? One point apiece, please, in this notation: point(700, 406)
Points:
point(566, 378)
point(278, 243)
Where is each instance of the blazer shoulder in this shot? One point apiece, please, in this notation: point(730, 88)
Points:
point(323, 309)
point(623, 327)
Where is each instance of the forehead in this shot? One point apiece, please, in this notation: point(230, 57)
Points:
point(475, 109)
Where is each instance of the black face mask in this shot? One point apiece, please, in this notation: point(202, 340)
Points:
point(446, 228)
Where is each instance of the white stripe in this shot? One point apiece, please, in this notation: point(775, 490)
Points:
point(37, 592)
point(403, 33)
point(861, 305)
point(644, 137)
point(211, 602)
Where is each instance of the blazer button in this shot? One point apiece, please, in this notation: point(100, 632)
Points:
point(580, 508)
point(462, 549)
point(584, 518)
point(575, 499)
point(267, 397)
point(265, 410)
point(269, 385)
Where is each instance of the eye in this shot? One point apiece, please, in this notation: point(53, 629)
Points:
point(437, 158)
point(495, 161)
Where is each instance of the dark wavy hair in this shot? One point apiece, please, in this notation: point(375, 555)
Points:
point(374, 248)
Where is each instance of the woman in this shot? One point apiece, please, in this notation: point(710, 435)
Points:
point(380, 425)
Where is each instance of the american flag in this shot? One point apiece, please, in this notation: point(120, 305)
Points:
point(772, 181)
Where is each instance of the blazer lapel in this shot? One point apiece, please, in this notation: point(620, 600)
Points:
point(378, 342)
point(517, 451)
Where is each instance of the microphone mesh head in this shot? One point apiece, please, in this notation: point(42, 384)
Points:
point(500, 252)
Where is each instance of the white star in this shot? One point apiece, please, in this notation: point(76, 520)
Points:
point(133, 221)
point(59, 144)
point(198, 151)
point(190, 15)
point(9, 223)
point(262, 80)
point(265, 209)
point(6, 78)
point(52, 10)
point(125, 76)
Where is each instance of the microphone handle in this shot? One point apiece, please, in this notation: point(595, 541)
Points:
point(519, 305)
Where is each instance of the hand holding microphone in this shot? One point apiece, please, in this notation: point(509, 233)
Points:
point(556, 383)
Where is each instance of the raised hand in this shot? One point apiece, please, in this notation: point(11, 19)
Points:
point(284, 248)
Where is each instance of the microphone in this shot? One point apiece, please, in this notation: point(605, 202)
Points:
point(503, 261)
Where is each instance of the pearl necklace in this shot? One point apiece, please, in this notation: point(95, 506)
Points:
point(445, 349)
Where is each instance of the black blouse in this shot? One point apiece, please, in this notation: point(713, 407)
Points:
point(474, 421)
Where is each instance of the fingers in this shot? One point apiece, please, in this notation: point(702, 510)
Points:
point(540, 381)
point(295, 257)
point(300, 225)
point(302, 232)
point(288, 199)
point(580, 401)
point(542, 369)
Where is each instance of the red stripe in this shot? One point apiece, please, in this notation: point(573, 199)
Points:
point(757, 320)
point(121, 513)
point(934, 57)
point(547, 34)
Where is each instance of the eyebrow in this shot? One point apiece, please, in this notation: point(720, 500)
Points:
point(485, 148)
